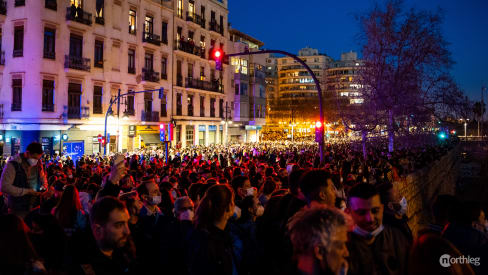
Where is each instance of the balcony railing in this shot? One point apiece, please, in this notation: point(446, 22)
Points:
point(76, 62)
point(151, 38)
point(19, 3)
point(189, 47)
point(150, 116)
point(98, 64)
point(49, 55)
point(213, 86)
point(78, 15)
point(99, 20)
point(2, 58)
point(150, 75)
point(195, 18)
point(51, 4)
point(74, 112)
point(214, 26)
point(18, 53)
point(179, 80)
point(3, 7)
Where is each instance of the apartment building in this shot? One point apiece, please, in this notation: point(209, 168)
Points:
point(64, 61)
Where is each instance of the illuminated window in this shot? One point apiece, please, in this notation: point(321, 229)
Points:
point(132, 21)
point(148, 24)
point(77, 3)
point(180, 9)
point(191, 8)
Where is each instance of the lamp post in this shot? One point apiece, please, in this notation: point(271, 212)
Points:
point(316, 81)
point(465, 137)
point(227, 120)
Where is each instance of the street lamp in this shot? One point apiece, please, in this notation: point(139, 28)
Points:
point(465, 125)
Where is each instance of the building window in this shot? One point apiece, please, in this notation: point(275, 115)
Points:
point(221, 26)
point(149, 24)
point(236, 88)
point(202, 106)
point(77, 3)
point(190, 70)
point(49, 44)
point(132, 62)
point(48, 95)
point(75, 45)
point(164, 33)
point(130, 105)
point(132, 21)
point(178, 104)
point(98, 54)
point(202, 73)
point(221, 108)
point(179, 11)
point(191, 8)
point(97, 99)
point(99, 12)
point(190, 105)
point(164, 64)
point(190, 133)
point(16, 95)
point(148, 62)
point(19, 41)
point(212, 107)
point(74, 101)
point(163, 106)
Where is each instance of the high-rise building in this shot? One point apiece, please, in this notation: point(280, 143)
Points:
point(62, 62)
point(272, 88)
point(249, 108)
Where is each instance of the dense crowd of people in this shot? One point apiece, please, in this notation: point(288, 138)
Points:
point(241, 209)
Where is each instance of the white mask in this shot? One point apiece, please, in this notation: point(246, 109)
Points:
point(366, 234)
point(260, 211)
point(155, 200)
point(250, 191)
point(187, 215)
point(404, 205)
point(32, 162)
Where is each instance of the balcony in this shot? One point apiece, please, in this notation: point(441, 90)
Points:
point(98, 64)
point(51, 4)
point(189, 47)
point(151, 38)
point(179, 80)
point(77, 63)
point(19, 3)
point(49, 55)
point(195, 18)
point(3, 7)
point(74, 112)
point(2, 58)
point(78, 15)
point(214, 26)
point(150, 75)
point(150, 116)
point(18, 53)
point(99, 20)
point(213, 86)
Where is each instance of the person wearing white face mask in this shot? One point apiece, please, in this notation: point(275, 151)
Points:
point(184, 209)
point(396, 207)
point(150, 195)
point(23, 179)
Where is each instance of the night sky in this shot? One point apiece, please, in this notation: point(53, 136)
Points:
point(331, 27)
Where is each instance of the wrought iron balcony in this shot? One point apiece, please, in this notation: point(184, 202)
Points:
point(99, 20)
point(76, 62)
point(214, 26)
point(19, 3)
point(195, 18)
point(51, 4)
point(49, 55)
point(78, 15)
point(213, 86)
point(189, 47)
point(150, 75)
point(3, 7)
point(151, 38)
point(150, 116)
point(74, 112)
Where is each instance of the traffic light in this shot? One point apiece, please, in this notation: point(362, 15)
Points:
point(319, 131)
point(161, 93)
point(162, 136)
point(217, 55)
point(103, 141)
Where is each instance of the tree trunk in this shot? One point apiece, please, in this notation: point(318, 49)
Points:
point(391, 131)
point(364, 139)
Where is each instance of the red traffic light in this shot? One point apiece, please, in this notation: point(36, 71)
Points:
point(161, 127)
point(217, 54)
point(318, 124)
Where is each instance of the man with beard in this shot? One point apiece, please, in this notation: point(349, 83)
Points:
point(319, 237)
point(374, 247)
point(114, 251)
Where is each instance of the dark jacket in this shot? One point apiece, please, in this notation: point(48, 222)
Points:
point(211, 253)
point(388, 254)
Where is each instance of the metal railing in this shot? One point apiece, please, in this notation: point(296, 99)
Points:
point(216, 27)
point(74, 112)
point(51, 4)
point(151, 38)
point(76, 62)
point(78, 15)
point(195, 18)
point(150, 116)
point(213, 86)
point(150, 75)
point(189, 47)
point(99, 20)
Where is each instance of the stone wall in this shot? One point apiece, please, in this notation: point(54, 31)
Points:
point(422, 187)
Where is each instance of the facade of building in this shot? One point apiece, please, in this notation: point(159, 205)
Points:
point(342, 85)
point(64, 61)
point(272, 88)
point(297, 93)
point(249, 103)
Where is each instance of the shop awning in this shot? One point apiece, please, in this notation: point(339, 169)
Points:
point(150, 138)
